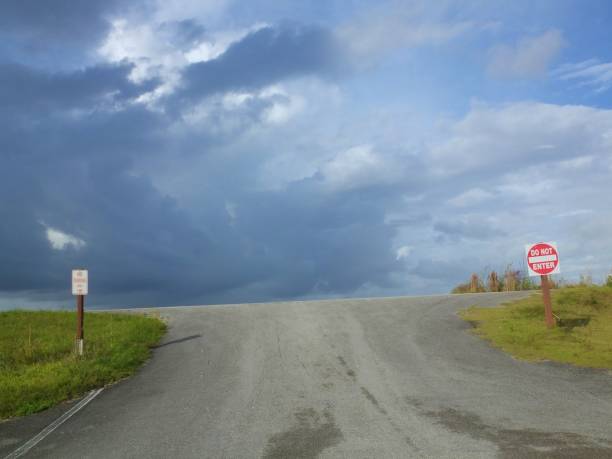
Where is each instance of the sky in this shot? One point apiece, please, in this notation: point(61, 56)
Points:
point(203, 152)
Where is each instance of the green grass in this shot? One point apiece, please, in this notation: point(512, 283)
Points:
point(38, 366)
point(519, 329)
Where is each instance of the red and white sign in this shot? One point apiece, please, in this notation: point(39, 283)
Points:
point(542, 258)
point(79, 282)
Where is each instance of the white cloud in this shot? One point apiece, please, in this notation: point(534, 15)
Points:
point(219, 42)
point(579, 162)
point(236, 99)
point(587, 73)
point(359, 167)
point(369, 39)
point(544, 164)
point(280, 113)
point(390, 27)
point(284, 107)
point(142, 45)
point(151, 53)
point(235, 112)
point(154, 49)
point(511, 136)
point(528, 186)
point(529, 57)
point(575, 213)
point(403, 252)
point(470, 197)
point(157, 51)
point(61, 241)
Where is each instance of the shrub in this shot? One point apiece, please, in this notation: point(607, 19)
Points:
point(527, 283)
point(586, 280)
point(461, 288)
point(493, 282)
point(511, 279)
point(476, 284)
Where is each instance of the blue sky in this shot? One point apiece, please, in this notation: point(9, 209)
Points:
point(191, 152)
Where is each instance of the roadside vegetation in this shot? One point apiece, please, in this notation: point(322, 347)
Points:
point(512, 280)
point(583, 332)
point(509, 281)
point(38, 365)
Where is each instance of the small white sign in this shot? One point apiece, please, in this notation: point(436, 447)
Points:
point(79, 282)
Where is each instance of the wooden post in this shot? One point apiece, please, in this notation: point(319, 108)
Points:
point(548, 315)
point(79, 334)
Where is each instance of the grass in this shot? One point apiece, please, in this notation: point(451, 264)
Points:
point(38, 366)
point(583, 339)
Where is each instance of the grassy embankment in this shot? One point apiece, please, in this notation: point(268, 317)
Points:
point(583, 335)
point(38, 366)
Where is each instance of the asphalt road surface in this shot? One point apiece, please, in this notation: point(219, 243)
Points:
point(374, 378)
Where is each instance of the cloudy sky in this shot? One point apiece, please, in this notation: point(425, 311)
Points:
point(200, 151)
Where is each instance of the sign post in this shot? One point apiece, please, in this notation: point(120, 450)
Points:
point(80, 289)
point(542, 260)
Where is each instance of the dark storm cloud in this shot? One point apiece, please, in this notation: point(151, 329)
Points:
point(445, 272)
point(76, 171)
point(136, 239)
point(313, 241)
point(27, 88)
point(72, 173)
point(279, 245)
point(294, 243)
point(266, 56)
point(40, 24)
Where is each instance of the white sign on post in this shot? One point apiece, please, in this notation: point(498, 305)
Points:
point(79, 282)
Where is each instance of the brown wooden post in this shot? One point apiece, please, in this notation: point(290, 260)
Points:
point(79, 334)
point(548, 315)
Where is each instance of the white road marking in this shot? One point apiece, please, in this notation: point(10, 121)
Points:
point(27, 446)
